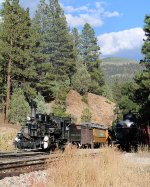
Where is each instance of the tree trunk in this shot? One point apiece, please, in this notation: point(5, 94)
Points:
point(8, 91)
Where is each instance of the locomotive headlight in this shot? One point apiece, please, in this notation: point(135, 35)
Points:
point(17, 139)
point(46, 138)
point(28, 118)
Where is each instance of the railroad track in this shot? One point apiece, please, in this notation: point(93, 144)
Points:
point(16, 163)
point(20, 154)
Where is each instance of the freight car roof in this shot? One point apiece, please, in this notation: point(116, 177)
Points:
point(93, 125)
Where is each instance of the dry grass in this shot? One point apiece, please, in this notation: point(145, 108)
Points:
point(6, 141)
point(143, 149)
point(106, 169)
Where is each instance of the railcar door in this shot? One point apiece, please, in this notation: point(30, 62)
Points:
point(86, 136)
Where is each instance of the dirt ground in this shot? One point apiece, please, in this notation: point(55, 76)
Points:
point(7, 135)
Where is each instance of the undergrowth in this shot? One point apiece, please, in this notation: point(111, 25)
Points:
point(6, 141)
point(108, 168)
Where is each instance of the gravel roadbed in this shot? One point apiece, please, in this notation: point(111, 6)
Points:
point(26, 180)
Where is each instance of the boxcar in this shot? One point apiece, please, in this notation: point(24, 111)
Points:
point(93, 135)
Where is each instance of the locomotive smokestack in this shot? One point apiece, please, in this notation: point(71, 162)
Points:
point(33, 109)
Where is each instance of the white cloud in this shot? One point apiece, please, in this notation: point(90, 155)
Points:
point(81, 19)
point(78, 16)
point(114, 42)
point(72, 9)
point(111, 14)
point(98, 4)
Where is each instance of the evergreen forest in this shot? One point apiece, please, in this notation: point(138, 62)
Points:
point(42, 59)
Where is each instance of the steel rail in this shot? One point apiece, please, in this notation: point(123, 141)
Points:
point(14, 168)
point(20, 154)
point(29, 164)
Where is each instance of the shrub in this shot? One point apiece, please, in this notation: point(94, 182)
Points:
point(19, 107)
point(86, 115)
point(59, 110)
point(85, 98)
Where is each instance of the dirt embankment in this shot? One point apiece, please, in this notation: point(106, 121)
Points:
point(7, 135)
point(101, 108)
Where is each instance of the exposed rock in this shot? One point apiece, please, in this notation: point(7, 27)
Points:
point(101, 108)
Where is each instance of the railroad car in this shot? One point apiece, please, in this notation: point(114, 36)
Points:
point(93, 135)
point(88, 135)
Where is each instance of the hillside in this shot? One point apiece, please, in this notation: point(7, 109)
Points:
point(101, 108)
point(121, 69)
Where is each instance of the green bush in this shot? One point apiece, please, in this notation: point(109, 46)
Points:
point(59, 110)
point(86, 115)
point(85, 98)
point(19, 107)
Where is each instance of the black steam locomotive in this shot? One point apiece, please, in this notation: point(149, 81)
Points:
point(131, 132)
point(43, 132)
point(47, 132)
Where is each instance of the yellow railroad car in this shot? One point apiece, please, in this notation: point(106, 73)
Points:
point(100, 135)
point(93, 135)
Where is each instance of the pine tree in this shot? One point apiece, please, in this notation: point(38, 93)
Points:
point(81, 80)
point(61, 43)
point(56, 45)
point(146, 46)
point(107, 92)
point(19, 107)
point(16, 49)
point(41, 23)
point(2, 70)
point(90, 53)
point(77, 42)
point(141, 88)
point(116, 90)
point(2, 79)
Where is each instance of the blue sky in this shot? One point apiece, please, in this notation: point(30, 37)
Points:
point(118, 23)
